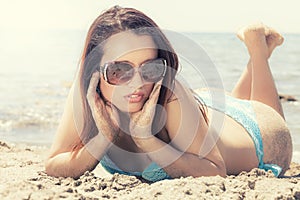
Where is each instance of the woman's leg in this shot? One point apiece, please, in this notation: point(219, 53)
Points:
point(256, 83)
point(242, 89)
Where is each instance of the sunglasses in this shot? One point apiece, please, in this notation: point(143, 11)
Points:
point(122, 72)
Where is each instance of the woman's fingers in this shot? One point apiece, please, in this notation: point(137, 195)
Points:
point(153, 98)
point(145, 116)
point(113, 114)
point(95, 102)
point(91, 92)
point(104, 117)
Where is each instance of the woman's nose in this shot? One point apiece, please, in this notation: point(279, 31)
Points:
point(136, 80)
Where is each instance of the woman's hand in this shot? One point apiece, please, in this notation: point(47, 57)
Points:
point(105, 116)
point(141, 122)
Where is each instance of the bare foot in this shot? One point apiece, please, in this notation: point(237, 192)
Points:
point(272, 37)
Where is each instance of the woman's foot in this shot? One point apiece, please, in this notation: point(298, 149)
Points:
point(259, 33)
point(274, 39)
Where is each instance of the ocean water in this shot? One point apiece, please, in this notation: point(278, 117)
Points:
point(37, 69)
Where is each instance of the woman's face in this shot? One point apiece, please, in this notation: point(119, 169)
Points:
point(133, 49)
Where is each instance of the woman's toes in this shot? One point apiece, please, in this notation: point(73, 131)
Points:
point(274, 40)
point(240, 34)
point(272, 44)
point(253, 28)
point(277, 37)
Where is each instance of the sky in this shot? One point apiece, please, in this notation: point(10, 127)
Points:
point(176, 15)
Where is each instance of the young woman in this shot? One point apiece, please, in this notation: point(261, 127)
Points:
point(127, 111)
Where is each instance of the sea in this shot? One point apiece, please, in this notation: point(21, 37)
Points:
point(37, 69)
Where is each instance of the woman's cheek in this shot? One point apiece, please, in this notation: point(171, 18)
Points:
point(149, 88)
point(106, 90)
point(113, 94)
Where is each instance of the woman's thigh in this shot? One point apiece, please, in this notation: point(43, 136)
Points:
point(275, 135)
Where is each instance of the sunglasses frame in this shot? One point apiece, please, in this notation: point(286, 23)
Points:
point(103, 69)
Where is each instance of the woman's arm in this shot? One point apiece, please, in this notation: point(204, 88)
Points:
point(193, 150)
point(63, 160)
point(182, 164)
point(75, 163)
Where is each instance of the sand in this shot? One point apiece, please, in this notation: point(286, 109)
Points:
point(23, 177)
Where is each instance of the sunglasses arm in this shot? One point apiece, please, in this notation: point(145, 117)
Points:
point(103, 70)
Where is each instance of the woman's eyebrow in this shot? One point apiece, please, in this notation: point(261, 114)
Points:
point(127, 61)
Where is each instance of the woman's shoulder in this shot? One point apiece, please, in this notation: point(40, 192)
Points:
point(179, 91)
point(182, 101)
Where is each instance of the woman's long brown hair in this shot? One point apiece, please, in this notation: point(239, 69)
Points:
point(110, 22)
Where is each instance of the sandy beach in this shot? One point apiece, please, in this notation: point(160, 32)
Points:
point(23, 177)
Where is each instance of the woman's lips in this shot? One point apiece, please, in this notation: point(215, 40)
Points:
point(135, 97)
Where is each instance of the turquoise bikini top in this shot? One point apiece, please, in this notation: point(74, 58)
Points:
point(152, 173)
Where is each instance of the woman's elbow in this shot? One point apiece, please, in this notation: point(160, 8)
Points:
point(216, 172)
point(221, 169)
point(52, 168)
point(49, 167)
point(217, 169)
point(222, 172)
point(66, 168)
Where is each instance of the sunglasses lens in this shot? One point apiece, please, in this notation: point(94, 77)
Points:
point(119, 73)
point(153, 71)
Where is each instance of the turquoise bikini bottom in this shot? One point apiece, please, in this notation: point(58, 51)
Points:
point(239, 110)
point(242, 112)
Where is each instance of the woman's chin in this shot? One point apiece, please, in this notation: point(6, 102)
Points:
point(131, 108)
point(134, 109)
